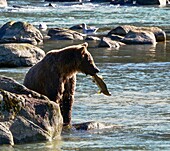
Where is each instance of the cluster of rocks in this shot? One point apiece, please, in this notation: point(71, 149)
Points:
point(17, 44)
point(128, 34)
point(121, 35)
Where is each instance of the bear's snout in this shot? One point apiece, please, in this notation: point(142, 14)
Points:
point(93, 71)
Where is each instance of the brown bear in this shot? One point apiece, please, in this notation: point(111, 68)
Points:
point(55, 75)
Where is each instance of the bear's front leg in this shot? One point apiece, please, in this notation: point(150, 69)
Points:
point(68, 100)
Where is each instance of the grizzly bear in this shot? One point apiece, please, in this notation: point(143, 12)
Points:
point(55, 75)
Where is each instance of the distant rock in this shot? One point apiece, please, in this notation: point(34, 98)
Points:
point(76, 27)
point(139, 37)
point(26, 116)
point(17, 55)
point(64, 34)
point(20, 32)
point(3, 3)
point(124, 29)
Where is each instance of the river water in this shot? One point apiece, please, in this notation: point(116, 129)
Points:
point(138, 76)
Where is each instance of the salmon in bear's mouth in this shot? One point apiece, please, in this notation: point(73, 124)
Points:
point(101, 84)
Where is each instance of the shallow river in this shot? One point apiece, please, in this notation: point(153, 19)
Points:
point(137, 76)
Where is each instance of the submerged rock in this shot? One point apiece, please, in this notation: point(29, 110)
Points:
point(107, 42)
point(26, 116)
point(64, 34)
point(17, 55)
point(20, 32)
point(93, 125)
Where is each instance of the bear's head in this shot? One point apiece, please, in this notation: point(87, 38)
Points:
point(87, 64)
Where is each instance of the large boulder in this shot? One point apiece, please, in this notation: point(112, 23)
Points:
point(160, 35)
point(139, 37)
point(17, 55)
point(151, 2)
point(26, 116)
point(20, 32)
point(3, 3)
point(64, 34)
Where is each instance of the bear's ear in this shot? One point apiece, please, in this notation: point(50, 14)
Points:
point(82, 49)
point(85, 44)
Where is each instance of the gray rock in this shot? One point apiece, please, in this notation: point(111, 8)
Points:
point(107, 42)
point(20, 32)
point(93, 125)
point(3, 3)
point(26, 116)
point(124, 29)
point(139, 37)
point(17, 55)
point(76, 27)
point(64, 34)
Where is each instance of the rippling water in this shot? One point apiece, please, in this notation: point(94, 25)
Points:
point(137, 76)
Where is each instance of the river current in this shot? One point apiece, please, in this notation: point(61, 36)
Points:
point(138, 77)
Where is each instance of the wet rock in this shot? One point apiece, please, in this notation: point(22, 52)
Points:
point(20, 32)
point(107, 42)
point(26, 116)
point(17, 55)
point(93, 125)
point(3, 3)
point(151, 2)
point(139, 37)
point(64, 34)
point(124, 29)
